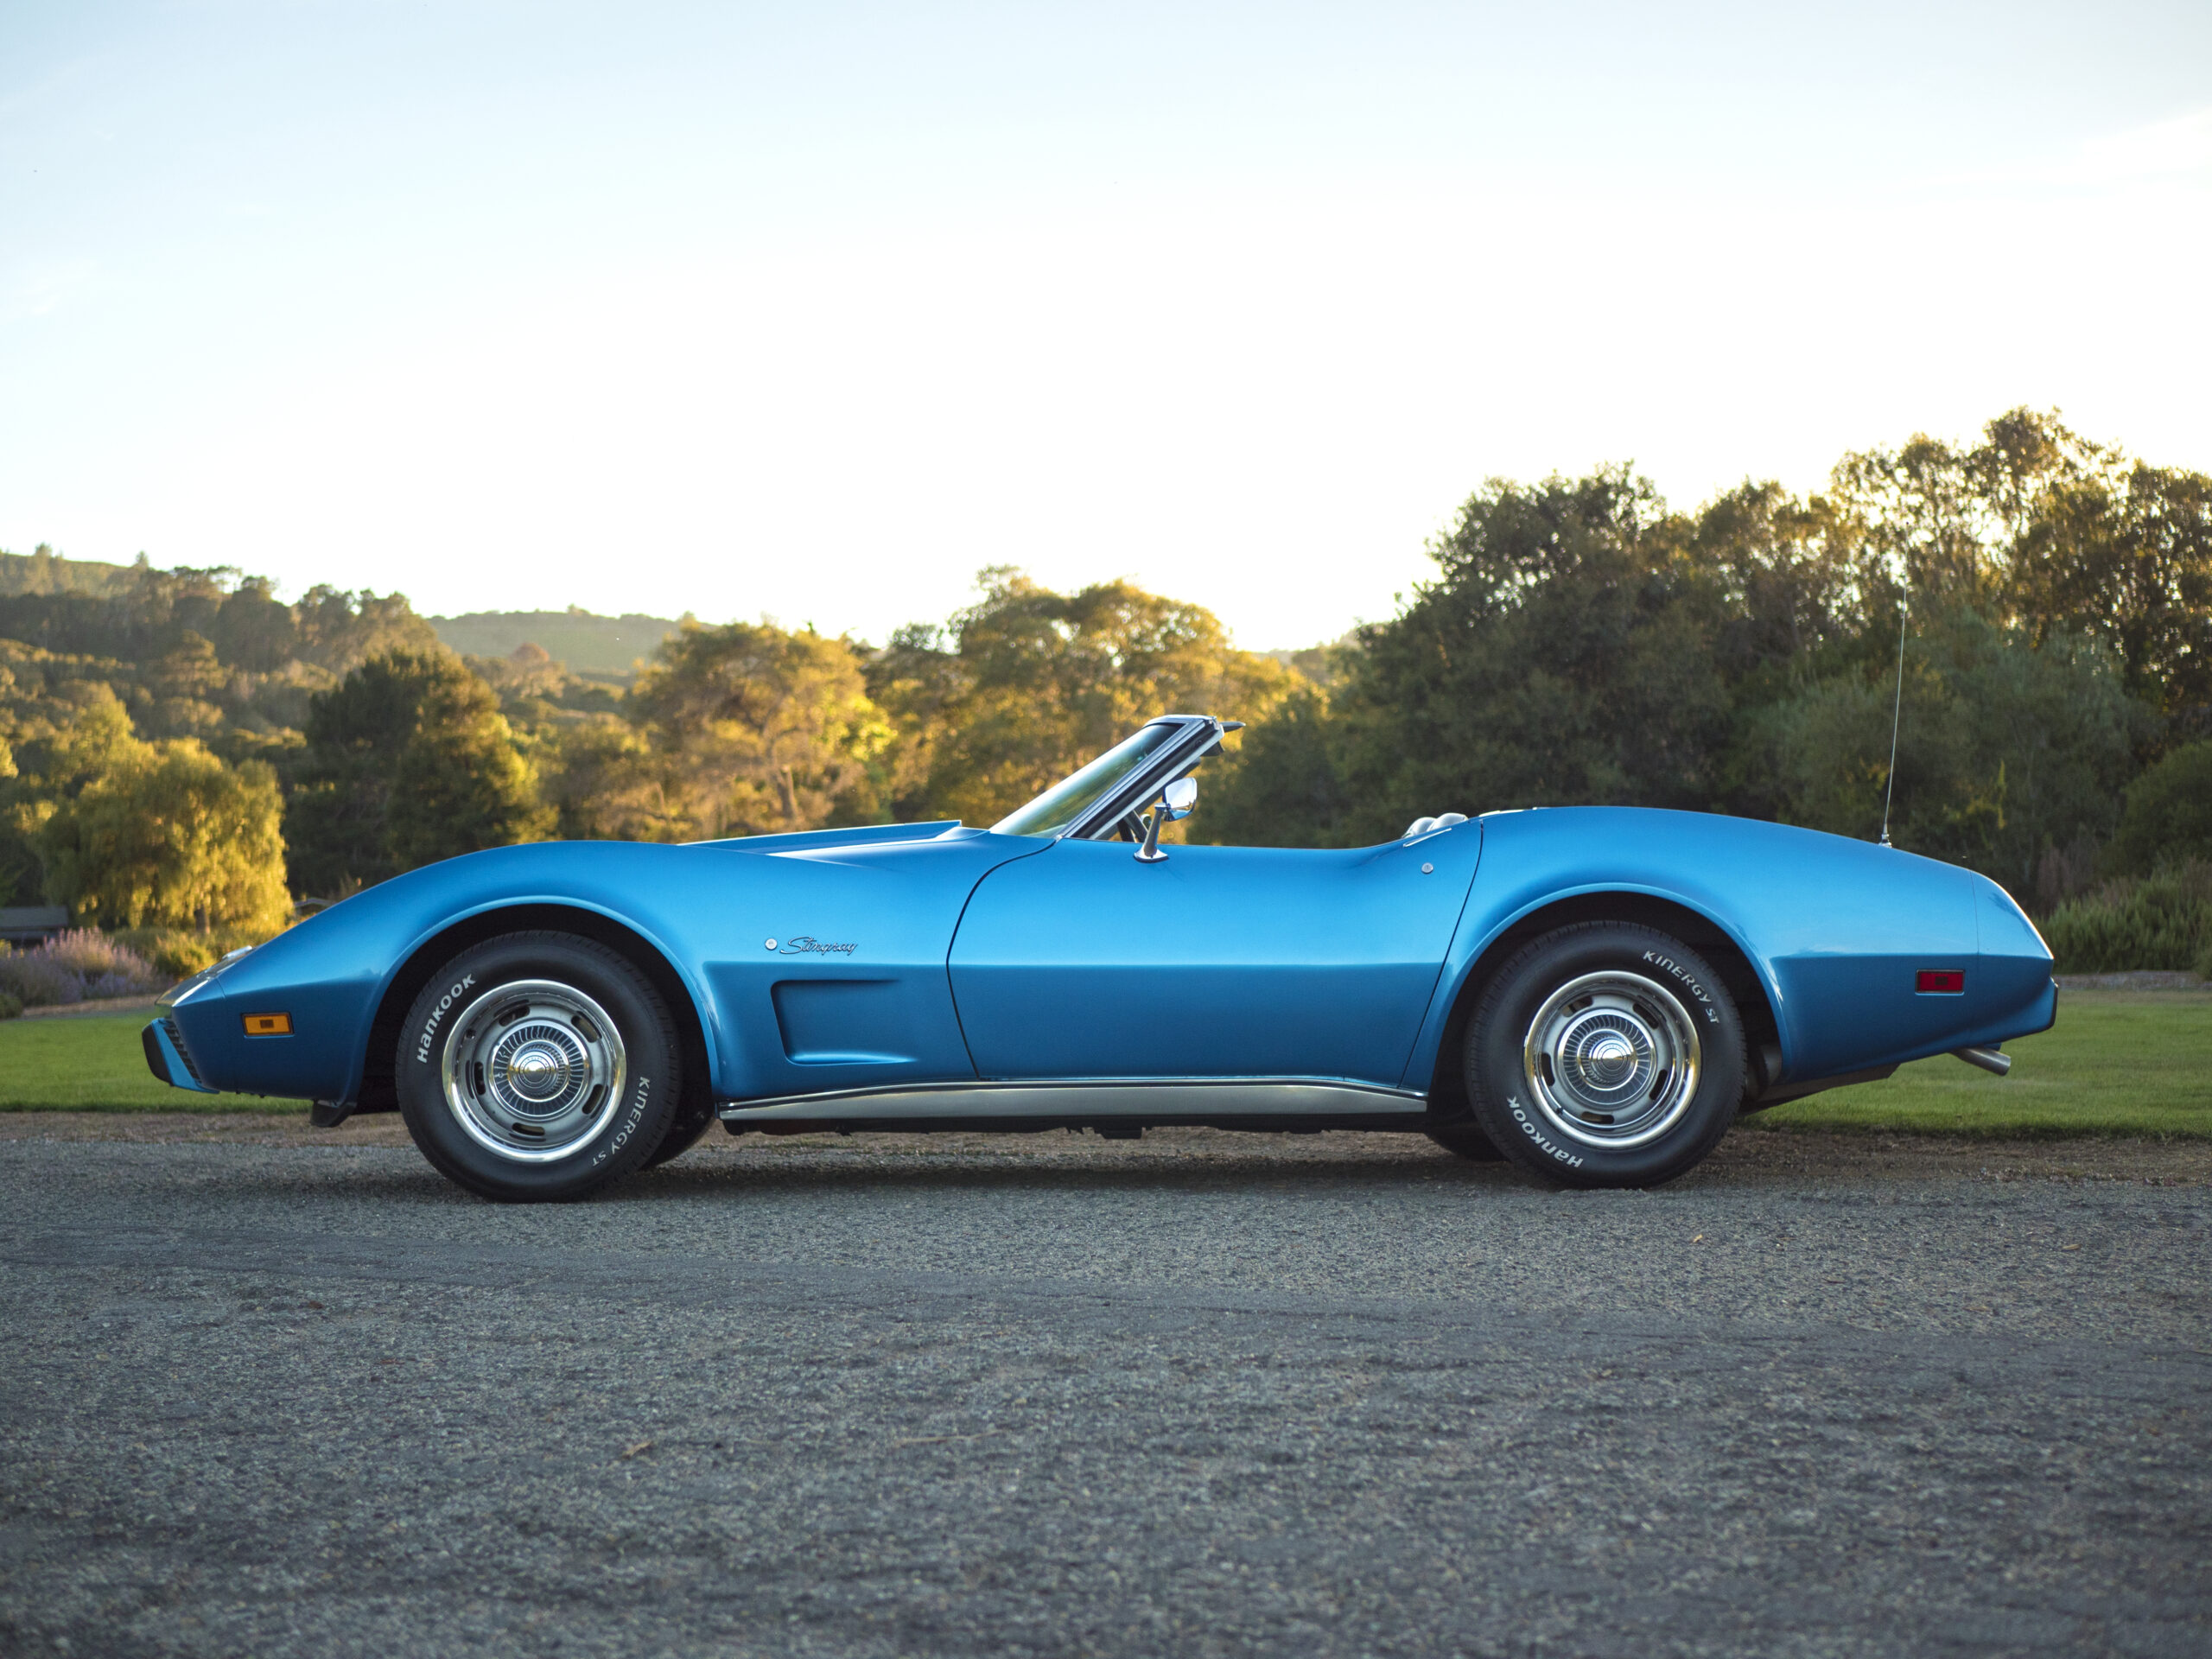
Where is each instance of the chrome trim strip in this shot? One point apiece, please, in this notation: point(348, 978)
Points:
point(1087, 1097)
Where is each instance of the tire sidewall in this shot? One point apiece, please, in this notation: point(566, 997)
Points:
point(1497, 1086)
point(651, 1087)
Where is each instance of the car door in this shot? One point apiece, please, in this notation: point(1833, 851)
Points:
point(830, 970)
point(1217, 962)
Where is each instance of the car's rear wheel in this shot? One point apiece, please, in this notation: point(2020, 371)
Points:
point(537, 1066)
point(1606, 1054)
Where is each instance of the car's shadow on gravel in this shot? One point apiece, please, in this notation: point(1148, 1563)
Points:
point(1199, 1163)
point(705, 1181)
point(399, 1177)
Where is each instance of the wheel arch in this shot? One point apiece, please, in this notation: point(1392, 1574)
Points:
point(1703, 933)
point(376, 1092)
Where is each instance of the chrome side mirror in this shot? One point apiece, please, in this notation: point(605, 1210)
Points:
point(1175, 803)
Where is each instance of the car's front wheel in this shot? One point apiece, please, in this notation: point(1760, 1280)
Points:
point(1606, 1054)
point(537, 1065)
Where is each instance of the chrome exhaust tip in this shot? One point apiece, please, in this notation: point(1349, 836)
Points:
point(1995, 1061)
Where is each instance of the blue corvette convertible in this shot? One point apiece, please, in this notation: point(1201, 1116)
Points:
point(1593, 993)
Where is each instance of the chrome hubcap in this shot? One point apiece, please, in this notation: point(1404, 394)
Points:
point(1612, 1059)
point(531, 1069)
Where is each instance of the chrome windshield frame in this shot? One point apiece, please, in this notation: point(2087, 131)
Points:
point(1197, 736)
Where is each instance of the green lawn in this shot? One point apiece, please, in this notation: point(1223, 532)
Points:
point(2117, 1063)
point(93, 1063)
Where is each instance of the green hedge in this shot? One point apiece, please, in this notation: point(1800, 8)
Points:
point(2158, 921)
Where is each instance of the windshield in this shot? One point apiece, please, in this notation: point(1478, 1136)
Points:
point(1051, 813)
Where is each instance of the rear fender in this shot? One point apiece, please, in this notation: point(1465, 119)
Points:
point(1830, 929)
point(1489, 935)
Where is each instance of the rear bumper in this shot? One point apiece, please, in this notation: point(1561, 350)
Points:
point(168, 1058)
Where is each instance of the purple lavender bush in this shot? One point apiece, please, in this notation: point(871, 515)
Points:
point(73, 965)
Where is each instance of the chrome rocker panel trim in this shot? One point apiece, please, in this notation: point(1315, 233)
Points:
point(1086, 1098)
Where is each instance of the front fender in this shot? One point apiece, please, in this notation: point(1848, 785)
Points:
point(889, 897)
point(331, 972)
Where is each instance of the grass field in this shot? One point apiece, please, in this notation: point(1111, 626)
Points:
point(93, 1063)
point(2117, 1063)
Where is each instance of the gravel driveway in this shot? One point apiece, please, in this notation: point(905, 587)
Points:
point(1198, 1394)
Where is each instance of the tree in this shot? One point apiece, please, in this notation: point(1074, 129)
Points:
point(1580, 643)
point(76, 733)
point(753, 729)
point(182, 684)
point(1791, 596)
point(2168, 817)
point(207, 653)
point(1027, 684)
point(1284, 785)
point(460, 785)
point(408, 760)
point(340, 631)
point(2124, 553)
point(2039, 527)
point(254, 630)
point(1945, 521)
point(167, 836)
point(92, 739)
point(1567, 652)
point(2003, 750)
point(606, 783)
point(918, 683)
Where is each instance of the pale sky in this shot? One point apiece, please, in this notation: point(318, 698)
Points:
point(811, 311)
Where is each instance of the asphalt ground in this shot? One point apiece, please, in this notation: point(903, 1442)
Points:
point(264, 1392)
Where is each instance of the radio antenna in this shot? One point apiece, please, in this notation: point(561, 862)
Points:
point(1897, 718)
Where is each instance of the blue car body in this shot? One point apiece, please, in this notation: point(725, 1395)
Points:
point(816, 973)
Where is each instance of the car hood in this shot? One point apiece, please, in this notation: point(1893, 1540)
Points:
point(855, 835)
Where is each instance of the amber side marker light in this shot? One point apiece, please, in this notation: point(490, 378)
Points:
point(1940, 982)
point(268, 1024)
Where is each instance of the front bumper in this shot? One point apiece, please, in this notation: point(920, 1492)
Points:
point(168, 1058)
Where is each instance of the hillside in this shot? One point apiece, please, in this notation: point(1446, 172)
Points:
point(597, 647)
point(44, 571)
point(594, 646)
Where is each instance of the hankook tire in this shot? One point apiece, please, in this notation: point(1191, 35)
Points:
point(1606, 1054)
point(538, 1066)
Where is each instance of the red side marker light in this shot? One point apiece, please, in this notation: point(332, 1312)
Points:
point(268, 1024)
point(1940, 982)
